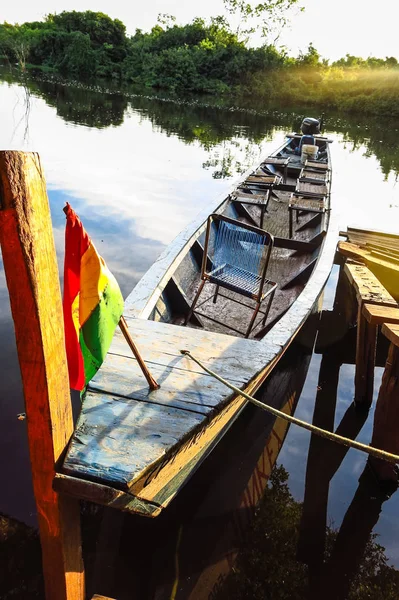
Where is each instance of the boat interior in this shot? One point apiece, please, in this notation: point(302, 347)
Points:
point(284, 197)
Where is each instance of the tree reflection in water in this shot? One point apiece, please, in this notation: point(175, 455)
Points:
point(206, 120)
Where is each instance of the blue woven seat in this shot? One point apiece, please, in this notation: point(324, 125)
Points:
point(236, 258)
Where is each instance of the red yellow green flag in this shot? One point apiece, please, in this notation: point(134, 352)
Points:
point(93, 303)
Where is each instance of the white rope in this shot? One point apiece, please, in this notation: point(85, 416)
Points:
point(339, 439)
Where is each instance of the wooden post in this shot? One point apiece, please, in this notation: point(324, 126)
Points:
point(370, 316)
point(366, 344)
point(30, 266)
point(386, 417)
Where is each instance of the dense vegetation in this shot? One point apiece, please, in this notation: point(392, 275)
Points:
point(212, 57)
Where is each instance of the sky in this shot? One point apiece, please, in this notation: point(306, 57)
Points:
point(335, 27)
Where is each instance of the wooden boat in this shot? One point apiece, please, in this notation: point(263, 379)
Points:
point(133, 448)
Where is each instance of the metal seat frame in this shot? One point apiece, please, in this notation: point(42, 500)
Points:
point(207, 275)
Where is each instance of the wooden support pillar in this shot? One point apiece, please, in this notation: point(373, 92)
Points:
point(366, 344)
point(369, 317)
point(30, 266)
point(386, 417)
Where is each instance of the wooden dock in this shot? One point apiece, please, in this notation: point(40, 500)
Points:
point(372, 269)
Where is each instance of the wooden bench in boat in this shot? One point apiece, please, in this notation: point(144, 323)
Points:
point(311, 189)
point(278, 162)
point(374, 305)
point(266, 180)
point(302, 203)
point(313, 176)
point(319, 166)
point(260, 200)
point(134, 447)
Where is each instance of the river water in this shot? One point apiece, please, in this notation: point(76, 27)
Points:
point(137, 169)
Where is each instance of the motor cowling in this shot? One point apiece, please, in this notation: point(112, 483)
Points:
point(310, 126)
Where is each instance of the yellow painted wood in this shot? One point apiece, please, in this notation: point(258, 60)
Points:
point(377, 315)
point(367, 287)
point(391, 331)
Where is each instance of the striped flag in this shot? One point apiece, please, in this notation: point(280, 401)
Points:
point(93, 303)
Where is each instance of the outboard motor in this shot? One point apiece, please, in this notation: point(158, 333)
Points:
point(310, 126)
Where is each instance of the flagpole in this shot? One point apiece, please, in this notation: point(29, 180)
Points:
point(151, 381)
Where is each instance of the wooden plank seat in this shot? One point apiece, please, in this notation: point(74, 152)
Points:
point(319, 166)
point(313, 176)
point(374, 305)
point(278, 162)
point(126, 434)
point(263, 179)
point(260, 200)
point(304, 188)
point(302, 203)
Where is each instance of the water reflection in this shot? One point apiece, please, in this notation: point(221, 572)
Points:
point(137, 170)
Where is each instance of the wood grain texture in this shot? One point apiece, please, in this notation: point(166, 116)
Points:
point(32, 278)
point(366, 346)
point(104, 495)
point(368, 288)
point(119, 407)
point(377, 315)
point(386, 417)
point(392, 333)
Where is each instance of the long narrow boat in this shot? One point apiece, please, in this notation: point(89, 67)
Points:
point(133, 448)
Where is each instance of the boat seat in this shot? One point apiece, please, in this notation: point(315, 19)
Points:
point(260, 200)
point(308, 175)
point(303, 203)
point(239, 256)
point(270, 164)
point(318, 165)
point(311, 190)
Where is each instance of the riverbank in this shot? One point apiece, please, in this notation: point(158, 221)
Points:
point(199, 57)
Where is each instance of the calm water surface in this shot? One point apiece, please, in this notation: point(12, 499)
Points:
point(137, 170)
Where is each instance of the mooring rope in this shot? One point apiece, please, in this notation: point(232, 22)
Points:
point(376, 452)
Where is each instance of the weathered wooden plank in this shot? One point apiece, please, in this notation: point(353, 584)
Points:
point(386, 270)
point(351, 250)
point(104, 495)
point(385, 256)
point(367, 286)
point(383, 248)
point(311, 189)
point(366, 346)
point(30, 266)
point(120, 375)
point(117, 439)
point(307, 204)
point(391, 331)
point(377, 315)
point(262, 178)
point(233, 357)
point(298, 245)
point(386, 416)
point(317, 165)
